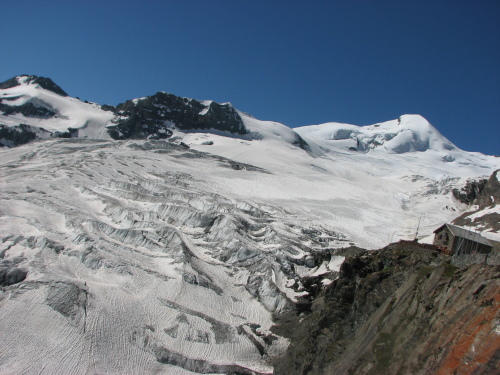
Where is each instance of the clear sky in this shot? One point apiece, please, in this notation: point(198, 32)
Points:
point(295, 62)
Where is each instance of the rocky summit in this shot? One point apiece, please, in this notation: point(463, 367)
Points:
point(168, 235)
point(145, 117)
point(152, 117)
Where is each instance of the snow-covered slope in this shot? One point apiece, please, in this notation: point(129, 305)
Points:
point(148, 256)
point(372, 193)
point(269, 145)
point(56, 113)
point(36, 108)
point(140, 257)
point(410, 141)
point(409, 133)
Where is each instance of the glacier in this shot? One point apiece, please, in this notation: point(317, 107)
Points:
point(171, 256)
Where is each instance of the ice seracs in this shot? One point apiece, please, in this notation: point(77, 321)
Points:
point(169, 253)
point(139, 255)
point(409, 133)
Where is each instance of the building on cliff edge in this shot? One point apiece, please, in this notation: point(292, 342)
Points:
point(453, 240)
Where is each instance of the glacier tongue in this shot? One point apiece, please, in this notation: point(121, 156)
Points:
point(136, 263)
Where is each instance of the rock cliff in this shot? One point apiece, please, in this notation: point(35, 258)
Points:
point(483, 215)
point(140, 118)
point(402, 310)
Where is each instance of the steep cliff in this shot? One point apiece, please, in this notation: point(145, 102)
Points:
point(483, 215)
point(401, 310)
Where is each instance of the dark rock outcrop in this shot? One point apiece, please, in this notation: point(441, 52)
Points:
point(67, 299)
point(12, 82)
point(300, 142)
point(470, 191)
point(490, 194)
point(14, 136)
point(27, 109)
point(488, 198)
point(401, 310)
point(152, 116)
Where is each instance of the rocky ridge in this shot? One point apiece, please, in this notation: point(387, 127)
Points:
point(483, 214)
point(470, 191)
point(153, 117)
point(156, 115)
point(402, 310)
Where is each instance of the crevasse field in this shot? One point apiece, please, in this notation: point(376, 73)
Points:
point(145, 256)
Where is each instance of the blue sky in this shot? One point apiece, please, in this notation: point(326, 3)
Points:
point(296, 62)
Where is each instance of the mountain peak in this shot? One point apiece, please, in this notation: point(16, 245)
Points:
point(408, 133)
point(418, 134)
point(152, 115)
point(43, 82)
point(414, 121)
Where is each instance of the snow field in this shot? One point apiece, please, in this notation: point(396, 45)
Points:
point(168, 260)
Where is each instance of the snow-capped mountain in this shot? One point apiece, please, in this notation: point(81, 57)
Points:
point(44, 110)
point(36, 107)
point(409, 133)
point(163, 235)
point(157, 115)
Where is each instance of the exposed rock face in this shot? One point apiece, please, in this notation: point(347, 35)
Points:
point(470, 191)
point(12, 136)
point(10, 274)
point(68, 300)
point(15, 136)
point(24, 110)
point(27, 109)
point(300, 142)
point(154, 115)
point(490, 195)
point(402, 310)
point(484, 216)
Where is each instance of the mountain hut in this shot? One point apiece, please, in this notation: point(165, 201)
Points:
point(453, 240)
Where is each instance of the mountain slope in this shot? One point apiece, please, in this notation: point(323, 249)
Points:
point(410, 137)
point(148, 257)
point(378, 180)
point(37, 108)
point(409, 133)
point(401, 310)
point(45, 111)
point(140, 256)
point(484, 214)
point(170, 251)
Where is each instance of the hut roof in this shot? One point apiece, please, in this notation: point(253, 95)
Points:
point(465, 233)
